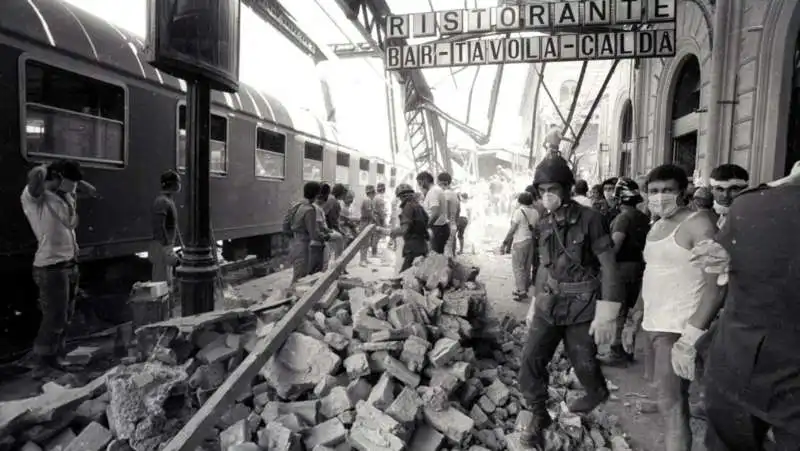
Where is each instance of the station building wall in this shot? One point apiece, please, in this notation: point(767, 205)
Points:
point(754, 77)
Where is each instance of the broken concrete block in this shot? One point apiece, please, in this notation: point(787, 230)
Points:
point(245, 446)
point(365, 324)
point(444, 351)
point(329, 433)
point(325, 385)
point(216, 352)
point(451, 422)
point(498, 392)
point(337, 341)
point(478, 415)
point(357, 365)
point(405, 407)
point(433, 398)
point(376, 361)
point(486, 404)
point(93, 438)
point(382, 393)
point(365, 439)
point(401, 316)
point(426, 438)
point(377, 301)
point(413, 353)
point(237, 433)
point(348, 417)
point(370, 417)
point(30, 446)
point(336, 402)
point(445, 380)
point(82, 355)
point(276, 437)
point(390, 335)
point(359, 390)
point(400, 372)
point(61, 440)
point(388, 346)
point(300, 364)
point(456, 303)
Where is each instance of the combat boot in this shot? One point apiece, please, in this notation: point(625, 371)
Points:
point(589, 402)
point(531, 432)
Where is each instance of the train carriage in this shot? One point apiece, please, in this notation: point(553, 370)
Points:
point(73, 85)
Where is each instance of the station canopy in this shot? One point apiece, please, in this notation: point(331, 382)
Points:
point(462, 92)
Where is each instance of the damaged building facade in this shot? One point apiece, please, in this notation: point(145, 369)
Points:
point(728, 95)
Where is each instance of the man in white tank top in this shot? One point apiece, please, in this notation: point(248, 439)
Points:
point(672, 290)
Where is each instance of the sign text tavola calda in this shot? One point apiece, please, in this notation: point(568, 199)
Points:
point(525, 42)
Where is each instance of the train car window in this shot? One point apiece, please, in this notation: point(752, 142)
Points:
point(363, 173)
point(68, 115)
point(381, 168)
point(342, 167)
point(312, 162)
point(381, 174)
point(270, 154)
point(219, 142)
point(393, 172)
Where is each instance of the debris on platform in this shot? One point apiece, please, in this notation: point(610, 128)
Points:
point(408, 364)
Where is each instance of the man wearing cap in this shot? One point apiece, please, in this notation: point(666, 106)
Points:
point(435, 205)
point(165, 229)
point(49, 203)
point(412, 227)
point(577, 297)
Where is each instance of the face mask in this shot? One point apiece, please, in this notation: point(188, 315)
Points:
point(663, 204)
point(720, 209)
point(551, 201)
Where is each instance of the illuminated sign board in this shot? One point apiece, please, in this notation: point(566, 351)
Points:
point(568, 18)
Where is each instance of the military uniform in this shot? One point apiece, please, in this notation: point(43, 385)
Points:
point(565, 306)
point(753, 367)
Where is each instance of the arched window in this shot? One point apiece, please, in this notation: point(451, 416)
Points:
point(626, 140)
point(685, 121)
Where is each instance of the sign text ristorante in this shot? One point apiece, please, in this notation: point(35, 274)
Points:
point(573, 20)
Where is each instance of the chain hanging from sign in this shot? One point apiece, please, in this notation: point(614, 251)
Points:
point(534, 26)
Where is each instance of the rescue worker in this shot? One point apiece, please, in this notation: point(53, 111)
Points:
point(368, 217)
point(412, 226)
point(348, 218)
point(381, 213)
point(435, 205)
point(577, 298)
point(581, 190)
point(629, 234)
point(304, 228)
point(333, 212)
point(611, 209)
point(673, 289)
point(452, 208)
point(552, 141)
point(752, 368)
point(727, 181)
point(49, 203)
point(519, 243)
point(318, 248)
point(165, 229)
point(463, 220)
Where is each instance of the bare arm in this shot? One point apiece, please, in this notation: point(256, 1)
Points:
point(87, 189)
point(618, 238)
point(36, 179)
point(713, 296)
point(609, 276)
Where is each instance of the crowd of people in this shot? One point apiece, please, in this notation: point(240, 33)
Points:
point(702, 275)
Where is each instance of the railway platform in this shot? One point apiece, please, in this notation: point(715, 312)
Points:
point(630, 404)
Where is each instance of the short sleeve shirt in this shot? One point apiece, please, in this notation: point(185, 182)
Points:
point(525, 218)
point(165, 220)
point(436, 198)
point(635, 225)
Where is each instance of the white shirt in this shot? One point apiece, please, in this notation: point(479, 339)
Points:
point(671, 286)
point(522, 217)
point(53, 220)
point(583, 200)
point(435, 198)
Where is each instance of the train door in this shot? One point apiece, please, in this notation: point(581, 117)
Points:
point(793, 140)
point(685, 119)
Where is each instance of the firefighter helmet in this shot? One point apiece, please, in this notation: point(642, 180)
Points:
point(554, 169)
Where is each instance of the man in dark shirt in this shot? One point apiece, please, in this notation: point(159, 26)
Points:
point(165, 228)
point(413, 226)
point(752, 369)
point(629, 232)
point(333, 211)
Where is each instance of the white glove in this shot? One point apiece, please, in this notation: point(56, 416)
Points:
point(604, 324)
point(684, 354)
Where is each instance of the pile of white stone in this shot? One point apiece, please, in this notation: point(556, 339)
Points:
point(410, 364)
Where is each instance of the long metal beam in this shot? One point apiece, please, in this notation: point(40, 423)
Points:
point(272, 12)
point(554, 103)
point(535, 113)
point(575, 97)
point(592, 108)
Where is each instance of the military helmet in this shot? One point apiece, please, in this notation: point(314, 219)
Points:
point(627, 191)
point(403, 189)
point(554, 169)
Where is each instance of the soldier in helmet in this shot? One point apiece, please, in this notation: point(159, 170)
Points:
point(413, 226)
point(577, 297)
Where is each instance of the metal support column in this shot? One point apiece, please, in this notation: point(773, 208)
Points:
point(198, 267)
point(592, 108)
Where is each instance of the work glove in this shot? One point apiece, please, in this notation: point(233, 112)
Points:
point(632, 326)
point(604, 324)
point(684, 354)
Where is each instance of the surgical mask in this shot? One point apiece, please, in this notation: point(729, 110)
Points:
point(663, 205)
point(720, 209)
point(551, 201)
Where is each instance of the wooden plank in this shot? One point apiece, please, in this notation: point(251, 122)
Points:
point(202, 423)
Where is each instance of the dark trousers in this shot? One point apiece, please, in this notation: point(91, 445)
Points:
point(631, 275)
point(543, 339)
point(58, 287)
point(732, 428)
point(316, 259)
point(672, 391)
point(439, 238)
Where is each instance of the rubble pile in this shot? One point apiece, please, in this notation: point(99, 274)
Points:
point(409, 364)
